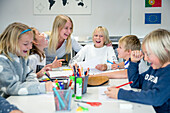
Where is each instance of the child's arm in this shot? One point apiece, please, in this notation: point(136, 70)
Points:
point(118, 66)
point(44, 69)
point(80, 56)
point(111, 56)
point(122, 74)
point(136, 56)
point(157, 95)
point(133, 70)
point(101, 67)
point(112, 92)
point(6, 107)
point(16, 78)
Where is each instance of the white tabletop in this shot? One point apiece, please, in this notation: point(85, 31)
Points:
point(44, 103)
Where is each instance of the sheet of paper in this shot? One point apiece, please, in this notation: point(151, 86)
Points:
point(102, 96)
point(60, 73)
point(90, 63)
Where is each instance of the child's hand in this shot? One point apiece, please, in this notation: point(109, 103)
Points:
point(49, 86)
point(115, 66)
point(16, 111)
point(44, 69)
point(57, 63)
point(136, 56)
point(112, 92)
point(101, 67)
point(109, 44)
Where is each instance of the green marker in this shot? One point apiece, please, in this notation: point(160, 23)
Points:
point(78, 88)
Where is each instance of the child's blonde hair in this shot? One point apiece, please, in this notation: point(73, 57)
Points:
point(158, 41)
point(34, 49)
point(9, 38)
point(103, 31)
point(58, 25)
point(131, 42)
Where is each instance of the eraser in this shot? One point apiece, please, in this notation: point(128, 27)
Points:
point(126, 106)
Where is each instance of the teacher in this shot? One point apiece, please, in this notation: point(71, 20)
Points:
point(60, 41)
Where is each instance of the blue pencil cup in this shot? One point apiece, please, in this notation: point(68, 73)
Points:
point(62, 99)
point(85, 82)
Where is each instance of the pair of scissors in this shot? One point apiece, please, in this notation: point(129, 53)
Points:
point(90, 103)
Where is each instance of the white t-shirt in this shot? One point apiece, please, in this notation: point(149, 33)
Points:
point(89, 52)
point(34, 61)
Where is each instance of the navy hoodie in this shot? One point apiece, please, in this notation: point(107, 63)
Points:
point(154, 85)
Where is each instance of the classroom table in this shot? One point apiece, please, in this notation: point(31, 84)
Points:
point(44, 103)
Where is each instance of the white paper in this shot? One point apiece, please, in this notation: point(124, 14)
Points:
point(102, 96)
point(92, 63)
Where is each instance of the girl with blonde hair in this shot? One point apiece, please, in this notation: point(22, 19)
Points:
point(16, 78)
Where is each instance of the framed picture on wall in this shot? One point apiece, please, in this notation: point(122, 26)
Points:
point(62, 6)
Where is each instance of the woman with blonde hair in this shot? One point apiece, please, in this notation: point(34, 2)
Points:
point(60, 40)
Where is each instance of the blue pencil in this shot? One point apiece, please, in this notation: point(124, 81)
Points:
point(48, 76)
point(109, 62)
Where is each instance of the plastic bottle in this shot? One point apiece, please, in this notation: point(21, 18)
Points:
point(78, 88)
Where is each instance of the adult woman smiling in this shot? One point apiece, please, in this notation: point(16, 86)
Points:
point(60, 41)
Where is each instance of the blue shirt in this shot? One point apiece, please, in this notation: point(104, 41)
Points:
point(154, 85)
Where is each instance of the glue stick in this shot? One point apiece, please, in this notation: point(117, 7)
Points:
point(78, 88)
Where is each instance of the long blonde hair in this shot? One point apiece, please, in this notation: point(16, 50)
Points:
point(58, 25)
point(9, 38)
point(35, 49)
point(158, 41)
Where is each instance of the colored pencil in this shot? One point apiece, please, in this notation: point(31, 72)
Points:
point(125, 84)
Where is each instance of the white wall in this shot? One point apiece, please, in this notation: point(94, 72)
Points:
point(138, 15)
point(110, 13)
point(113, 14)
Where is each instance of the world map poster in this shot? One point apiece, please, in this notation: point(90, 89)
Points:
point(62, 6)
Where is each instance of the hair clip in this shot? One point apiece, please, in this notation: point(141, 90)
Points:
point(25, 31)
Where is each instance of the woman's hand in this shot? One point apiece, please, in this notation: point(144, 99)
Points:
point(57, 63)
point(112, 92)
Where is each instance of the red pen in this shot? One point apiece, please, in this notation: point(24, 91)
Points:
point(125, 84)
